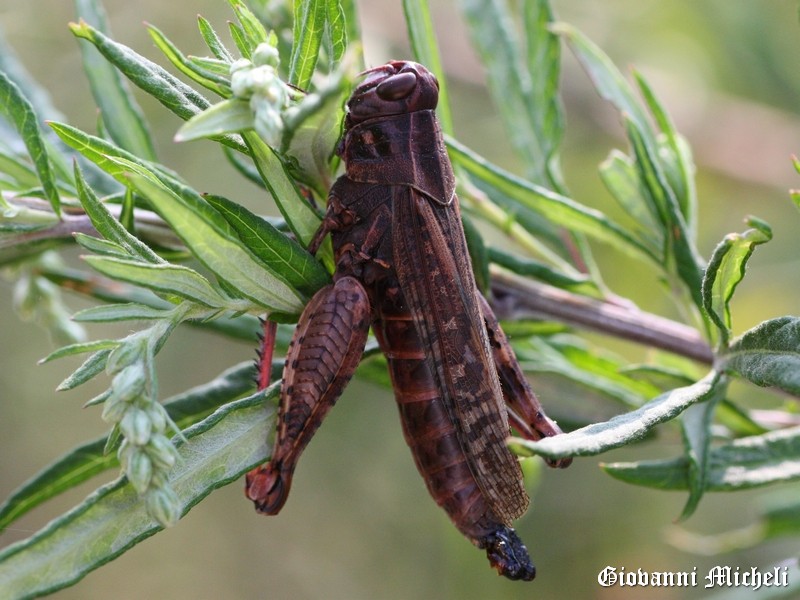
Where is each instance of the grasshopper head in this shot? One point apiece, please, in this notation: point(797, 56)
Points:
point(392, 89)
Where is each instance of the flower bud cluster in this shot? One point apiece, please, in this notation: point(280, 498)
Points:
point(146, 454)
point(257, 80)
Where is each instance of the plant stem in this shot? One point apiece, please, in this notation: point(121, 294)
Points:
point(516, 298)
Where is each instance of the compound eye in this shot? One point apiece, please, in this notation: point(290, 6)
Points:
point(397, 86)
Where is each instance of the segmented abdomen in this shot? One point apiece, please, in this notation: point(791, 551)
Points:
point(428, 429)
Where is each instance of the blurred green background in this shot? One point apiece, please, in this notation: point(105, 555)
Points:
point(359, 523)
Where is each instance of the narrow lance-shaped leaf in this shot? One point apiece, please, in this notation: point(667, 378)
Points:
point(726, 269)
point(212, 81)
point(767, 355)
point(299, 215)
point(19, 111)
point(122, 117)
point(217, 451)
point(679, 249)
point(579, 365)
point(91, 367)
point(107, 225)
point(622, 429)
point(253, 29)
point(495, 36)
point(336, 29)
point(309, 27)
point(102, 152)
point(279, 252)
point(745, 463)
point(607, 79)
point(696, 428)
point(213, 40)
point(674, 148)
point(543, 62)
point(229, 116)
point(152, 78)
point(621, 178)
point(164, 278)
point(426, 51)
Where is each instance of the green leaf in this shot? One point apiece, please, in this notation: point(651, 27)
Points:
point(213, 41)
point(523, 80)
point(478, 254)
point(607, 79)
point(621, 178)
point(223, 254)
point(229, 116)
point(767, 355)
point(180, 98)
point(240, 40)
point(165, 279)
point(426, 51)
point(253, 30)
point(557, 208)
point(113, 519)
point(19, 111)
point(666, 206)
point(579, 364)
point(299, 215)
point(543, 63)
point(745, 463)
point(726, 269)
point(122, 117)
point(210, 80)
point(80, 348)
point(622, 429)
point(336, 22)
point(170, 91)
point(309, 27)
point(14, 167)
point(680, 246)
point(580, 284)
point(100, 246)
point(102, 153)
point(281, 254)
point(696, 428)
point(89, 459)
point(108, 313)
point(91, 367)
point(312, 129)
point(676, 157)
point(241, 327)
point(108, 226)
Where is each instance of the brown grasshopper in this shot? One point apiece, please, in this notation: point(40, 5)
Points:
point(402, 267)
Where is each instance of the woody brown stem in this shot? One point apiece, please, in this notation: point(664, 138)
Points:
point(517, 298)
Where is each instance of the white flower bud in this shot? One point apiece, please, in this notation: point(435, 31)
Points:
point(139, 470)
point(129, 383)
point(240, 65)
point(266, 54)
point(135, 426)
point(163, 505)
point(158, 416)
point(162, 452)
point(127, 353)
point(241, 84)
point(114, 408)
